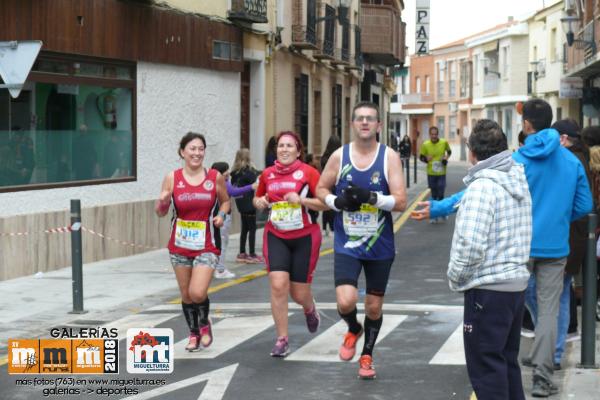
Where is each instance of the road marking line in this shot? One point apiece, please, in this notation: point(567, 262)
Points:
point(137, 320)
point(217, 382)
point(228, 333)
point(452, 352)
point(320, 306)
point(324, 348)
point(404, 217)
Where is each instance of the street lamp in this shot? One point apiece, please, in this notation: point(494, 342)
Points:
point(570, 25)
point(342, 12)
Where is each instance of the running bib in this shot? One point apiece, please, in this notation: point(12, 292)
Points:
point(190, 235)
point(286, 216)
point(437, 166)
point(362, 222)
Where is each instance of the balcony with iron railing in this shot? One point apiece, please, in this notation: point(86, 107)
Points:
point(304, 24)
point(326, 32)
point(416, 98)
point(248, 11)
point(491, 85)
point(382, 37)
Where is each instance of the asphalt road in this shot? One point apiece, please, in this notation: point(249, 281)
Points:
point(416, 356)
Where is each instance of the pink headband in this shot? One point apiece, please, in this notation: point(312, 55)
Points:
point(292, 136)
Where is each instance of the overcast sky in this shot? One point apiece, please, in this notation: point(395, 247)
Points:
point(454, 19)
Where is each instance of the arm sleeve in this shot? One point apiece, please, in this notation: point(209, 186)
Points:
point(583, 203)
point(235, 191)
point(261, 190)
point(445, 207)
point(471, 233)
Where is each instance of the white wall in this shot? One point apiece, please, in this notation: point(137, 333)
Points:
point(170, 101)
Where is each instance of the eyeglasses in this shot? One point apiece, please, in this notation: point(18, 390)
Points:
point(368, 118)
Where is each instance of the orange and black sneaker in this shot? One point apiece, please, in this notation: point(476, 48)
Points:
point(365, 369)
point(348, 348)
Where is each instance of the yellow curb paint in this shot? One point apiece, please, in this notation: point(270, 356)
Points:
point(406, 214)
point(473, 397)
point(3, 360)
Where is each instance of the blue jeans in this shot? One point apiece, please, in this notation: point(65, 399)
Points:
point(437, 184)
point(564, 315)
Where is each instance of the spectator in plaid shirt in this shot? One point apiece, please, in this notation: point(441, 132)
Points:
point(488, 262)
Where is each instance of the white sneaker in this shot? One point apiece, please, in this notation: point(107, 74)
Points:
point(224, 274)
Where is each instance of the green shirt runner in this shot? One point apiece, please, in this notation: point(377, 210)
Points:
point(436, 151)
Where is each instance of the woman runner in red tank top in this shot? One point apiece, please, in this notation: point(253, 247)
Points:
point(291, 242)
point(195, 193)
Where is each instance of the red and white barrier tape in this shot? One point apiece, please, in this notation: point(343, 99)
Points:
point(121, 242)
point(62, 229)
point(77, 226)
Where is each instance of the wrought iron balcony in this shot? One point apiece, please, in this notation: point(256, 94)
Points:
point(248, 11)
point(325, 50)
point(342, 57)
point(304, 37)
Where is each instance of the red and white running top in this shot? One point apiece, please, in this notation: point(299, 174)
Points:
point(192, 232)
point(288, 221)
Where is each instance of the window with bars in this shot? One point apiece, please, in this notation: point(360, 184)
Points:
point(301, 107)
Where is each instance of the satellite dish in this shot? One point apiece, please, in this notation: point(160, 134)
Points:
point(16, 60)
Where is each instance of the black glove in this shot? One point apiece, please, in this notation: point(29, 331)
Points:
point(360, 195)
point(444, 162)
point(344, 203)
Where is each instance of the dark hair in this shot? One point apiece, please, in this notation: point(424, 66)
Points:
point(365, 104)
point(220, 166)
point(188, 137)
point(521, 138)
point(487, 139)
point(271, 145)
point(299, 144)
point(539, 114)
point(432, 128)
point(591, 135)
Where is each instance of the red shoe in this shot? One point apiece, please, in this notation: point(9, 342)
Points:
point(365, 369)
point(348, 348)
point(193, 342)
point(206, 337)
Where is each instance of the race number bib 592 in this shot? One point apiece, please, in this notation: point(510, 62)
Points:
point(362, 222)
point(190, 235)
point(286, 216)
point(437, 166)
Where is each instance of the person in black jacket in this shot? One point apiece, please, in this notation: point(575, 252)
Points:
point(333, 144)
point(242, 174)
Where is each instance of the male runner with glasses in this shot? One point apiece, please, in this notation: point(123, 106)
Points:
point(363, 182)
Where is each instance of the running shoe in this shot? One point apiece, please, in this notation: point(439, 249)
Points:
point(348, 348)
point(527, 333)
point(206, 336)
point(365, 369)
point(255, 259)
point(242, 258)
point(313, 320)
point(193, 342)
point(572, 337)
point(224, 274)
point(281, 348)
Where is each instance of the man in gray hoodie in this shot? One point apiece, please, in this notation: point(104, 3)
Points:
point(488, 262)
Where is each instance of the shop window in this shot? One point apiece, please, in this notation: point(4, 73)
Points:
point(72, 124)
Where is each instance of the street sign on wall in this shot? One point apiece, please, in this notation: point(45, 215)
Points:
point(422, 27)
point(570, 88)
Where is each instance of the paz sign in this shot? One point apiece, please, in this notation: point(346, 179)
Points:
point(422, 27)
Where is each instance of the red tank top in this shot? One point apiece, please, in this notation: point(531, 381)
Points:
point(303, 181)
point(192, 231)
